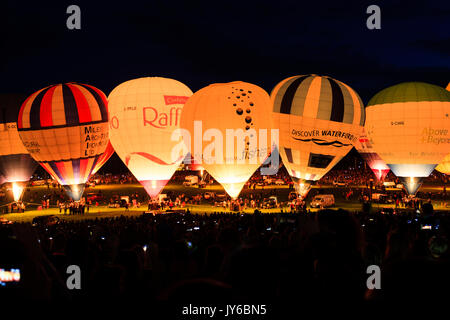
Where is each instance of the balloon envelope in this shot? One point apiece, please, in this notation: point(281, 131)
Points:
point(144, 113)
point(319, 120)
point(408, 126)
point(444, 166)
point(109, 151)
point(65, 129)
point(373, 160)
point(16, 164)
point(224, 122)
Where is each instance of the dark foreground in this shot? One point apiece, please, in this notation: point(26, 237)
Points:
point(230, 258)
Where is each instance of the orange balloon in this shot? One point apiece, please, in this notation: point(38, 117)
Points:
point(16, 164)
point(214, 114)
point(444, 166)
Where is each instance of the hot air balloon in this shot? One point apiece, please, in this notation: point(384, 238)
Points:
point(109, 151)
point(444, 166)
point(65, 129)
point(229, 128)
point(373, 160)
point(144, 113)
point(320, 119)
point(16, 164)
point(408, 126)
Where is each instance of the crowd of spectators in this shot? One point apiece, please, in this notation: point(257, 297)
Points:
point(108, 178)
point(283, 256)
point(56, 197)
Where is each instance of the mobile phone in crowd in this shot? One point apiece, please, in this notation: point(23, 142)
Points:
point(9, 277)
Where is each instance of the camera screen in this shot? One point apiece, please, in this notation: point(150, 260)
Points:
point(8, 276)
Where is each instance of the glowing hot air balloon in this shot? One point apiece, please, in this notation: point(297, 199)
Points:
point(409, 127)
point(229, 126)
point(143, 114)
point(444, 166)
point(365, 149)
point(319, 119)
point(65, 129)
point(16, 164)
point(109, 151)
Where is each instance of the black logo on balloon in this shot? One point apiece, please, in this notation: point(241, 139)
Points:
point(321, 142)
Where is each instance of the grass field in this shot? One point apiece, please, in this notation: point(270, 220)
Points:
point(282, 192)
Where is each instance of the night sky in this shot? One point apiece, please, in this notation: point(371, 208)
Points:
point(199, 43)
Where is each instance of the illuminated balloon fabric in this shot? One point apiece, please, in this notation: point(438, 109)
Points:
point(143, 114)
point(222, 106)
point(408, 126)
point(65, 129)
point(109, 151)
point(444, 166)
point(16, 164)
point(319, 120)
point(374, 161)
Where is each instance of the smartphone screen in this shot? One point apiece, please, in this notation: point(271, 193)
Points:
point(9, 277)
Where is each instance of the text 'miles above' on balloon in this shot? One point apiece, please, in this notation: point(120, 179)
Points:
point(65, 129)
point(228, 130)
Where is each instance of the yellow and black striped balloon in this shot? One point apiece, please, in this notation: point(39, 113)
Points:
point(319, 119)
